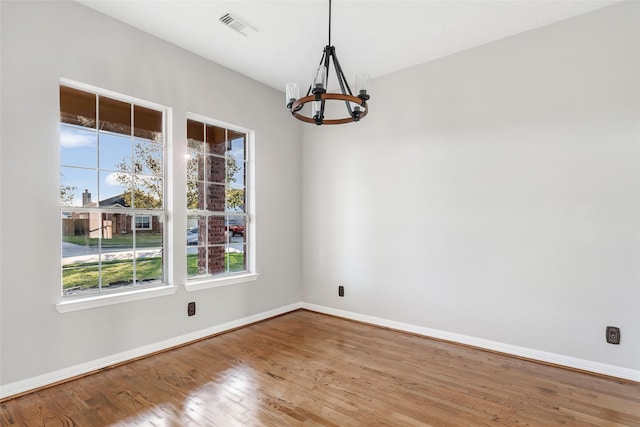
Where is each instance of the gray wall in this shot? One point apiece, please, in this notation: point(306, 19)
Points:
point(493, 193)
point(44, 41)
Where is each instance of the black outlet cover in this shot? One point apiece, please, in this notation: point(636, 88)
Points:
point(191, 309)
point(613, 335)
point(340, 291)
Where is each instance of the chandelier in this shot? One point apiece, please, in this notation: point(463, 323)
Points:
point(318, 96)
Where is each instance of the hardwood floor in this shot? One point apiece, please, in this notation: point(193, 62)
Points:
point(305, 368)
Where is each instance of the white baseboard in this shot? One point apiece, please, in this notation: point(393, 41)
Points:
point(33, 383)
point(543, 356)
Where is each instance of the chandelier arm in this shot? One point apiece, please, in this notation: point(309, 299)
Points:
point(328, 51)
point(338, 67)
point(342, 80)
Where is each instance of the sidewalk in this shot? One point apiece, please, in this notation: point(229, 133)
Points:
point(72, 254)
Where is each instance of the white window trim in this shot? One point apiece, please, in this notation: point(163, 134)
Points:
point(200, 283)
point(83, 303)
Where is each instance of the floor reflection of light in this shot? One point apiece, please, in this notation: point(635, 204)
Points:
point(228, 399)
point(160, 416)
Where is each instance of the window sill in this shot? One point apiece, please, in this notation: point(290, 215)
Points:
point(206, 283)
point(77, 304)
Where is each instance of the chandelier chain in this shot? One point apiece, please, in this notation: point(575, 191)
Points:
point(329, 23)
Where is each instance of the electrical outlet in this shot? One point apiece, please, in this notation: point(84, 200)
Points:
point(191, 309)
point(340, 291)
point(613, 335)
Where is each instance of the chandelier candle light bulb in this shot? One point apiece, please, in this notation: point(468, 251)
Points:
point(292, 93)
point(320, 80)
point(317, 94)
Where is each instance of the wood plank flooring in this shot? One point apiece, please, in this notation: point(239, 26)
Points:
point(306, 368)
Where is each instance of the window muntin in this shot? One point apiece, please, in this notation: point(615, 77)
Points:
point(217, 218)
point(112, 184)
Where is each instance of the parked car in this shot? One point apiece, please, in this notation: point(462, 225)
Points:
point(234, 227)
point(192, 236)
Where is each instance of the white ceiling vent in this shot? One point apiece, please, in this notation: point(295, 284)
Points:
point(238, 24)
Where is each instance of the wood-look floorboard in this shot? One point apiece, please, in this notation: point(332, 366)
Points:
point(305, 368)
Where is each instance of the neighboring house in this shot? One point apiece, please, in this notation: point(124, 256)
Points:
point(89, 223)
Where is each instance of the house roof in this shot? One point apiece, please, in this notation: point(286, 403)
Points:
point(115, 201)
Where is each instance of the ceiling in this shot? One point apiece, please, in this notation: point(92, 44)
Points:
point(377, 37)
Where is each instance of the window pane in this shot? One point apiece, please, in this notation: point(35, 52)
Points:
point(236, 258)
point(195, 130)
point(196, 261)
point(117, 273)
point(216, 262)
point(147, 123)
point(216, 169)
point(235, 226)
point(77, 107)
point(115, 152)
point(214, 197)
point(216, 140)
point(235, 172)
point(78, 146)
point(116, 250)
point(235, 200)
point(195, 195)
point(115, 116)
point(147, 192)
point(235, 185)
point(194, 237)
point(195, 160)
point(80, 253)
point(77, 186)
point(236, 177)
point(149, 249)
point(115, 189)
point(80, 278)
point(148, 158)
point(236, 247)
point(216, 233)
point(237, 143)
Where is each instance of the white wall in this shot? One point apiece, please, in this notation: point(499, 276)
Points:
point(44, 41)
point(492, 194)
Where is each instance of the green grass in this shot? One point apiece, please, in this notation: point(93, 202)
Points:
point(143, 240)
point(85, 275)
point(234, 259)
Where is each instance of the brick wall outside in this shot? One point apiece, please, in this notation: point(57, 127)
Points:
point(211, 177)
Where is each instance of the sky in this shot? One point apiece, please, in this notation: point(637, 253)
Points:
point(84, 166)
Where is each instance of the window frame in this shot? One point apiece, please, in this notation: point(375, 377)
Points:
point(200, 282)
point(138, 290)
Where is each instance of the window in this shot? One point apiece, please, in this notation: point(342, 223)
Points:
point(143, 222)
point(218, 235)
point(112, 181)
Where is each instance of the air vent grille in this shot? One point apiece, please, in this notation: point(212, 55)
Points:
point(238, 24)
